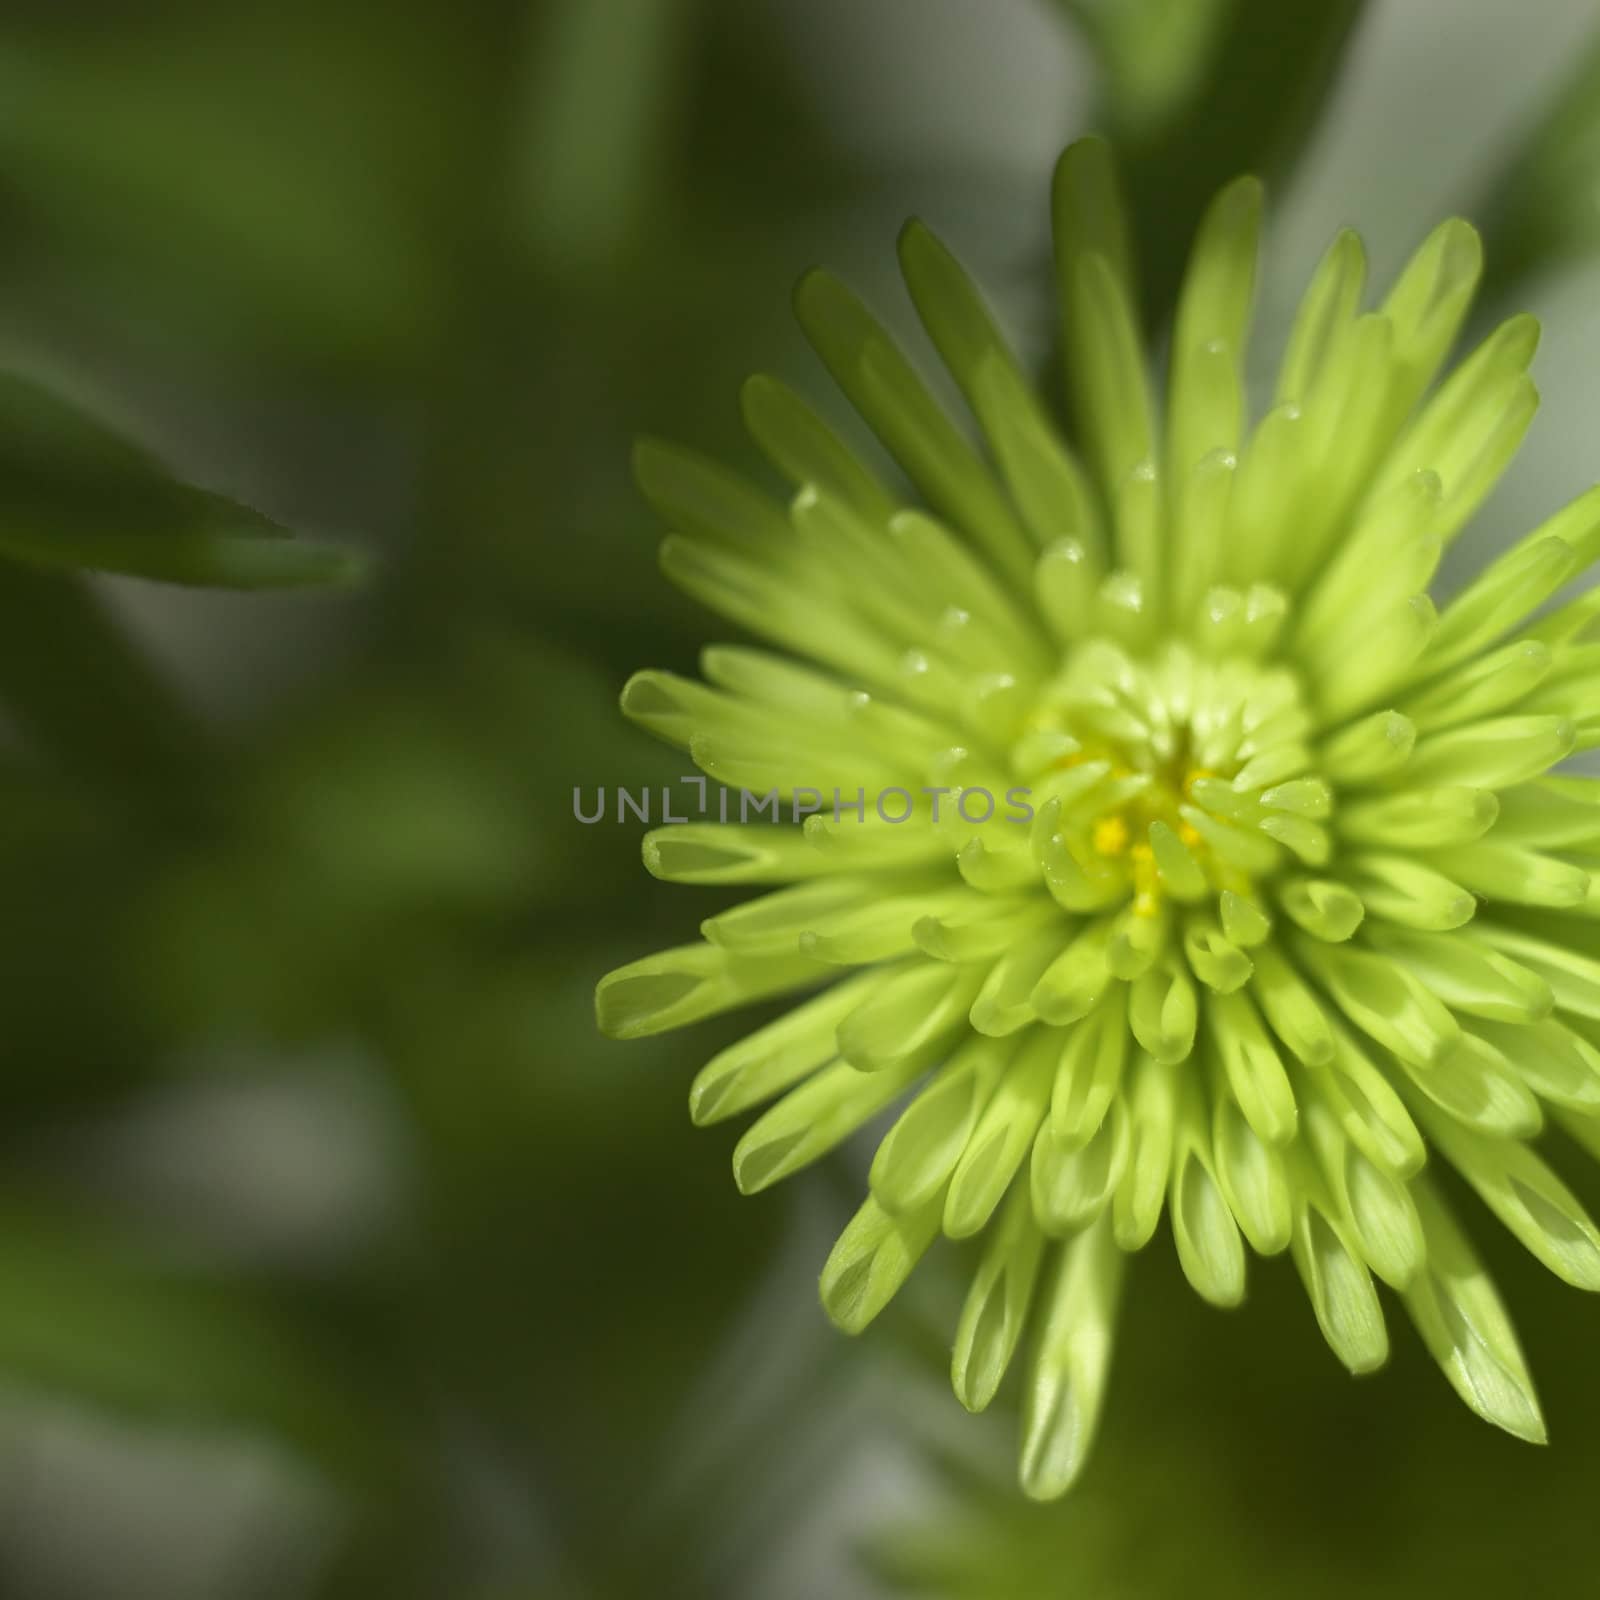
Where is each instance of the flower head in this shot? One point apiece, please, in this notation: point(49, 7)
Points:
point(1172, 849)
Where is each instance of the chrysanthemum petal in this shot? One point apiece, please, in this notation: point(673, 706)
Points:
point(692, 982)
point(1469, 429)
point(1062, 1406)
point(1327, 910)
point(1071, 1187)
point(1385, 1229)
point(1293, 1010)
point(773, 1058)
point(1574, 978)
point(996, 1308)
point(1372, 1115)
point(1511, 873)
point(1004, 1134)
point(1327, 311)
point(1520, 581)
point(1210, 1250)
point(1468, 975)
point(1114, 396)
point(1408, 892)
point(1152, 1114)
point(1466, 1329)
point(1163, 1012)
point(1482, 688)
point(1250, 1174)
point(1554, 813)
point(1479, 1088)
point(919, 1153)
point(1254, 1068)
point(806, 450)
point(1210, 329)
point(913, 1016)
point(871, 1260)
point(718, 853)
point(1369, 749)
point(1556, 1062)
point(1422, 818)
point(699, 497)
point(1428, 305)
point(1336, 1279)
point(1527, 1197)
point(866, 363)
point(812, 1120)
point(1385, 1001)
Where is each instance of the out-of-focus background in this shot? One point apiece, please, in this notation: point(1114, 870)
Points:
point(339, 1257)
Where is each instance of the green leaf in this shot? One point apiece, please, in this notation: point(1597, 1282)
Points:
point(1199, 93)
point(93, 1314)
point(75, 496)
point(1540, 211)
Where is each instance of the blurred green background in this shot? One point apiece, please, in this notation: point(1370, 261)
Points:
point(338, 1255)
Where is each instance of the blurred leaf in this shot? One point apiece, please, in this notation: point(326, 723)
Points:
point(95, 1314)
point(1153, 53)
point(74, 495)
point(261, 174)
point(588, 178)
point(1544, 209)
point(96, 711)
point(1200, 93)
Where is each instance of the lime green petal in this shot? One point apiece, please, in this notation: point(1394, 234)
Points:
point(1383, 1000)
point(1526, 1196)
point(1066, 1387)
point(915, 1015)
point(1364, 1101)
point(1255, 1070)
point(812, 1120)
point(1327, 910)
point(1163, 1011)
point(1071, 1187)
point(1468, 975)
point(1383, 1223)
point(1466, 1329)
point(1369, 749)
point(696, 496)
point(919, 1153)
point(1421, 818)
point(1210, 1250)
point(997, 1304)
point(1152, 1112)
point(1211, 329)
point(1004, 1134)
point(871, 1260)
point(1427, 307)
point(1407, 892)
point(1250, 1174)
point(807, 451)
point(865, 362)
point(768, 1061)
point(1337, 1282)
point(1557, 1063)
point(1326, 315)
point(690, 983)
point(1480, 1088)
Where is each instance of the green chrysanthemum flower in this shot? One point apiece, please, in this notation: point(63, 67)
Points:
point(1298, 902)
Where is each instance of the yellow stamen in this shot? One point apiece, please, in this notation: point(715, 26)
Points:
point(1146, 881)
point(1110, 836)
